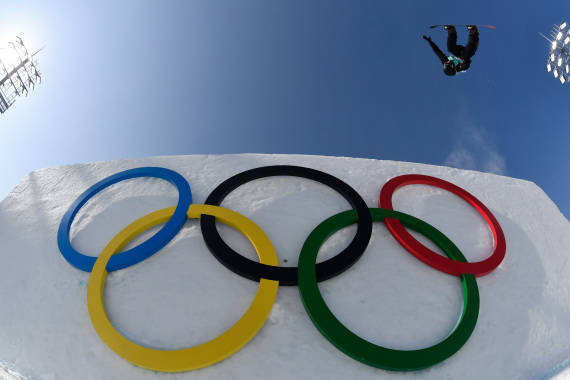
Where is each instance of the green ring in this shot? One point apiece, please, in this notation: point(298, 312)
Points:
point(353, 345)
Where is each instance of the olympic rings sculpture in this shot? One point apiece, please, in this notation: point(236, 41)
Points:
point(270, 275)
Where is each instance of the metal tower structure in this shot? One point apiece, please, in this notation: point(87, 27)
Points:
point(18, 73)
point(559, 56)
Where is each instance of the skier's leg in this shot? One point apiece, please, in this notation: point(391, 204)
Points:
point(472, 44)
point(452, 42)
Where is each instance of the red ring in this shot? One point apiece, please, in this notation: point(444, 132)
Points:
point(431, 258)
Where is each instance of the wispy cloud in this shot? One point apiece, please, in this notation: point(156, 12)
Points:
point(460, 158)
point(495, 163)
point(475, 150)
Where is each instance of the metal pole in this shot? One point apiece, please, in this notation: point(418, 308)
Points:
point(546, 38)
point(13, 71)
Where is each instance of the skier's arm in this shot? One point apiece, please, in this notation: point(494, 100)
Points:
point(437, 51)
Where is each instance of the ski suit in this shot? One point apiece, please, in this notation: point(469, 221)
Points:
point(461, 54)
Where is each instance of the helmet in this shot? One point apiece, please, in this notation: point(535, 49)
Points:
point(449, 68)
point(462, 66)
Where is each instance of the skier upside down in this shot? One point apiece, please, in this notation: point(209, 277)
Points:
point(460, 60)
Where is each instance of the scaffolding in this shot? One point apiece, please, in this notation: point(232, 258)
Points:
point(18, 73)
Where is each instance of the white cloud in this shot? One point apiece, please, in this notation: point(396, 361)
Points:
point(495, 163)
point(460, 158)
point(474, 150)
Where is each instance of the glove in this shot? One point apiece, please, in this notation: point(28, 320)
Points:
point(426, 38)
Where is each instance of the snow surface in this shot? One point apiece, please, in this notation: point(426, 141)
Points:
point(182, 296)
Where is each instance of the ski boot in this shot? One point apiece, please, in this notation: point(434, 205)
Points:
point(449, 27)
point(472, 29)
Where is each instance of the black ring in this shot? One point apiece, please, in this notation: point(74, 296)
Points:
point(286, 275)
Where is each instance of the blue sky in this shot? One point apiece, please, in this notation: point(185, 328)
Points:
point(126, 79)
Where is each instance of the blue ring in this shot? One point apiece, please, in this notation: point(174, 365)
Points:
point(139, 253)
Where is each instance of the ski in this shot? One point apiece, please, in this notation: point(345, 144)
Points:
point(479, 26)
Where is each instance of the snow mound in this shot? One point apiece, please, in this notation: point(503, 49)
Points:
point(182, 296)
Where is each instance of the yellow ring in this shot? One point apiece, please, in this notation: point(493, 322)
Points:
point(205, 354)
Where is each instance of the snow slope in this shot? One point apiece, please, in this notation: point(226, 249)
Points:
point(182, 296)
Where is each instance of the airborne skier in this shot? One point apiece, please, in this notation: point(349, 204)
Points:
point(460, 60)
